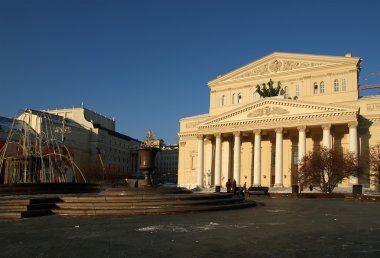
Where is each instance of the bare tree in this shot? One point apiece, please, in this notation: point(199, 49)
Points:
point(374, 162)
point(326, 168)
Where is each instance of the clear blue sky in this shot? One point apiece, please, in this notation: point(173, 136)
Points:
point(134, 60)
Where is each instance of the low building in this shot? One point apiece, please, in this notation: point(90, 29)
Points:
point(98, 150)
point(166, 164)
point(259, 141)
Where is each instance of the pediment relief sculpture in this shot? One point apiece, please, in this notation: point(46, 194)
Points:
point(278, 65)
point(268, 111)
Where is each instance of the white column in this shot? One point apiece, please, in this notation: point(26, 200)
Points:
point(326, 142)
point(237, 158)
point(353, 130)
point(301, 142)
point(226, 160)
point(257, 159)
point(353, 147)
point(218, 156)
point(278, 166)
point(200, 161)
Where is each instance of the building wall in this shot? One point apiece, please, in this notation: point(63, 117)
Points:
point(325, 71)
point(295, 70)
point(166, 163)
point(85, 138)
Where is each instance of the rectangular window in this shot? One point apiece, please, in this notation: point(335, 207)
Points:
point(344, 85)
point(193, 165)
point(336, 85)
point(297, 90)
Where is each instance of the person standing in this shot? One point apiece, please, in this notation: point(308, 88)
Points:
point(228, 185)
point(234, 186)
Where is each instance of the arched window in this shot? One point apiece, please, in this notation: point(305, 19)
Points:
point(240, 99)
point(336, 85)
point(223, 100)
point(286, 92)
point(297, 90)
point(315, 88)
point(322, 87)
point(343, 84)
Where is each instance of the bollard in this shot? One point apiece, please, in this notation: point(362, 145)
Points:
point(357, 189)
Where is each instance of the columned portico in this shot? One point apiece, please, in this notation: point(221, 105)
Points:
point(218, 159)
point(301, 142)
point(326, 141)
point(200, 161)
point(257, 159)
point(237, 143)
point(278, 160)
point(311, 118)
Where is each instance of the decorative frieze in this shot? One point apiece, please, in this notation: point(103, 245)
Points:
point(192, 124)
point(267, 111)
point(292, 121)
point(373, 107)
point(278, 65)
point(276, 102)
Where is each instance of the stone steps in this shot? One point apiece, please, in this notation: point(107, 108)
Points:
point(150, 210)
point(139, 198)
point(21, 208)
point(121, 202)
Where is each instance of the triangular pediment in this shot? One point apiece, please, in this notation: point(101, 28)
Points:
point(281, 63)
point(273, 109)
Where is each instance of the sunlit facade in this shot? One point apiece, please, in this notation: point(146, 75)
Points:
point(259, 141)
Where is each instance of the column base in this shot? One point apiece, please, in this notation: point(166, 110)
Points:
point(278, 186)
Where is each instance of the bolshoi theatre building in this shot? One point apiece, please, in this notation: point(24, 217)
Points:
point(258, 141)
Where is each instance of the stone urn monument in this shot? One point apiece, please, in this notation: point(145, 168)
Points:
point(147, 152)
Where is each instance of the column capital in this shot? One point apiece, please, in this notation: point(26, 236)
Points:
point(218, 135)
point(257, 131)
point(353, 124)
point(278, 129)
point(208, 140)
point(236, 133)
point(200, 136)
point(301, 128)
point(326, 126)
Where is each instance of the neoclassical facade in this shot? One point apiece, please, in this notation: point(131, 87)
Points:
point(259, 141)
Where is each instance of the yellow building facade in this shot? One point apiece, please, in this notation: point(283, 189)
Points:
point(259, 141)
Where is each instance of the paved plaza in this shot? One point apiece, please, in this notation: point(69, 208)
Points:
point(275, 228)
